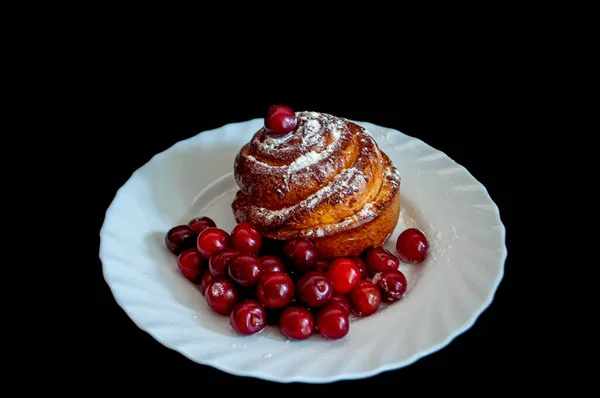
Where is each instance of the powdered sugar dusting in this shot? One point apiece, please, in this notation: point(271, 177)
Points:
point(366, 213)
point(349, 178)
point(258, 162)
point(312, 126)
point(311, 130)
point(308, 114)
point(393, 174)
point(271, 143)
point(312, 133)
point(311, 161)
point(407, 220)
point(306, 160)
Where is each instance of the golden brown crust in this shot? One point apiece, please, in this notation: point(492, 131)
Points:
point(355, 240)
point(328, 181)
point(273, 170)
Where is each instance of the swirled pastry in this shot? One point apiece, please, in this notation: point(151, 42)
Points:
point(327, 181)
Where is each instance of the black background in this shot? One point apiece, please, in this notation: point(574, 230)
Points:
point(465, 116)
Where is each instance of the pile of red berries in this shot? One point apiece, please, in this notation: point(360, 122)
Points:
point(258, 282)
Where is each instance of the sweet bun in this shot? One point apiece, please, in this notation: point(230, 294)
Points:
point(327, 180)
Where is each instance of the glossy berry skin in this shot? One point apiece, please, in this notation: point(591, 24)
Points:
point(180, 238)
point(296, 323)
point(343, 275)
point(248, 317)
point(341, 301)
point(275, 290)
point(322, 265)
point(191, 264)
point(365, 298)
point(380, 259)
point(207, 279)
point(392, 285)
point(333, 322)
point(280, 120)
point(218, 264)
point(412, 246)
point(246, 238)
point(314, 289)
point(301, 252)
point(199, 224)
point(221, 296)
point(246, 270)
point(211, 241)
point(362, 266)
point(272, 264)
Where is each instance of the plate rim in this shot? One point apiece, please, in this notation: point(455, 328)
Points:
point(391, 366)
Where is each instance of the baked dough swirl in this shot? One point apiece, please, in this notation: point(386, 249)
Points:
point(327, 181)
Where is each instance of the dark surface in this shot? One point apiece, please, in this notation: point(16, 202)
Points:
point(145, 120)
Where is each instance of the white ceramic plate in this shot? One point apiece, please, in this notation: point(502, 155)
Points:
point(445, 295)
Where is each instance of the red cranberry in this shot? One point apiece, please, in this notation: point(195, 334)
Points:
point(301, 252)
point(314, 289)
point(365, 298)
point(191, 264)
point(221, 296)
point(362, 266)
point(180, 238)
point(392, 285)
point(343, 274)
point(275, 290)
point(246, 238)
point(412, 246)
point(218, 264)
point(207, 279)
point(248, 317)
point(296, 323)
point(322, 265)
point(211, 241)
point(199, 224)
point(280, 120)
point(341, 301)
point(272, 264)
point(246, 269)
point(380, 259)
point(333, 322)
